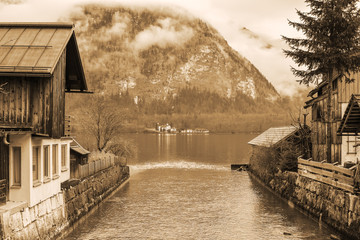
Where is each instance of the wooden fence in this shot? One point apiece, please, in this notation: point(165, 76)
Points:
point(337, 176)
point(83, 171)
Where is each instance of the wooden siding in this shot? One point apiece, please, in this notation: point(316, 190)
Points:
point(4, 164)
point(39, 102)
point(35, 102)
point(14, 103)
point(342, 94)
point(345, 89)
point(58, 98)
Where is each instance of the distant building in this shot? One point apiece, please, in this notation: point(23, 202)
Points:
point(39, 62)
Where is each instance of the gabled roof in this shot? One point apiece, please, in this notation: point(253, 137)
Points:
point(350, 123)
point(273, 136)
point(34, 49)
point(75, 146)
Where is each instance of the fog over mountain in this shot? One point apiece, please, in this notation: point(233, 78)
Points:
point(154, 52)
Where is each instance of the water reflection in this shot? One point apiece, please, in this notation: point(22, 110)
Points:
point(184, 189)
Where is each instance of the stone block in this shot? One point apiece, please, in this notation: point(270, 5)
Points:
point(26, 219)
point(84, 199)
point(49, 220)
point(48, 205)
point(54, 203)
point(16, 222)
point(58, 217)
point(32, 231)
point(61, 199)
point(339, 199)
point(42, 208)
point(33, 214)
point(70, 208)
point(41, 227)
point(71, 193)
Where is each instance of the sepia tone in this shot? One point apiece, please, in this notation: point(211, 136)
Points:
point(177, 120)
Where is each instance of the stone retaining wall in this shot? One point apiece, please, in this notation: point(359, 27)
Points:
point(333, 206)
point(92, 190)
point(41, 221)
point(51, 218)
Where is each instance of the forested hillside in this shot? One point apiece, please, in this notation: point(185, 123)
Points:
point(160, 64)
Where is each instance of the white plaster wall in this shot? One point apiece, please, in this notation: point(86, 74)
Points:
point(52, 186)
point(20, 193)
point(344, 148)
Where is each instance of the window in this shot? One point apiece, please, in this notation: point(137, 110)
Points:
point(55, 159)
point(351, 141)
point(46, 161)
point(63, 156)
point(17, 166)
point(36, 163)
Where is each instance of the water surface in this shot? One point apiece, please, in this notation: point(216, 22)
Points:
point(181, 187)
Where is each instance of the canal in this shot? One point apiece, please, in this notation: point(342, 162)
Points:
point(181, 187)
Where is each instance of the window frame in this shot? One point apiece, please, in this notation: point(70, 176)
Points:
point(37, 149)
point(64, 157)
point(55, 161)
point(16, 170)
point(46, 163)
point(350, 145)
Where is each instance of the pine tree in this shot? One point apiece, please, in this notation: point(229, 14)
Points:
point(330, 49)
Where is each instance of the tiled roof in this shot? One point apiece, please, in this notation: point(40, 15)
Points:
point(273, 136)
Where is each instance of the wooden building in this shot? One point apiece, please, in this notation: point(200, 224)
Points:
point(39, 63)
point(78, 156)
point(341, 146)
point(273, 137)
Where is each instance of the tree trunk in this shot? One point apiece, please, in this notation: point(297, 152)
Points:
point(329, 119)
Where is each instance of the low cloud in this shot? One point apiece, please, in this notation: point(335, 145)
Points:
point(118, 27)
point(263, 41)
point(167, 32)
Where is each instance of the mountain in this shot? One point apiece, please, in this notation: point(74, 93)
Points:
point(155, 52)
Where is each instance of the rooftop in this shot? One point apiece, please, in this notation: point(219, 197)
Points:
point(35, 48)
point(273, 136)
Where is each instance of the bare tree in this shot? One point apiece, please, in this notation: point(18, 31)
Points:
point(102, 120)
point(303, 136)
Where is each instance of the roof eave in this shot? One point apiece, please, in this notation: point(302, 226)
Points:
point(38, 24)
point(61, 51)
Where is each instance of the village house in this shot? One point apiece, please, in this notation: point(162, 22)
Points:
point(342, 147)
point(39, 63)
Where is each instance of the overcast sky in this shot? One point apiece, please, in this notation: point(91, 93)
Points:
point(252, 27)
